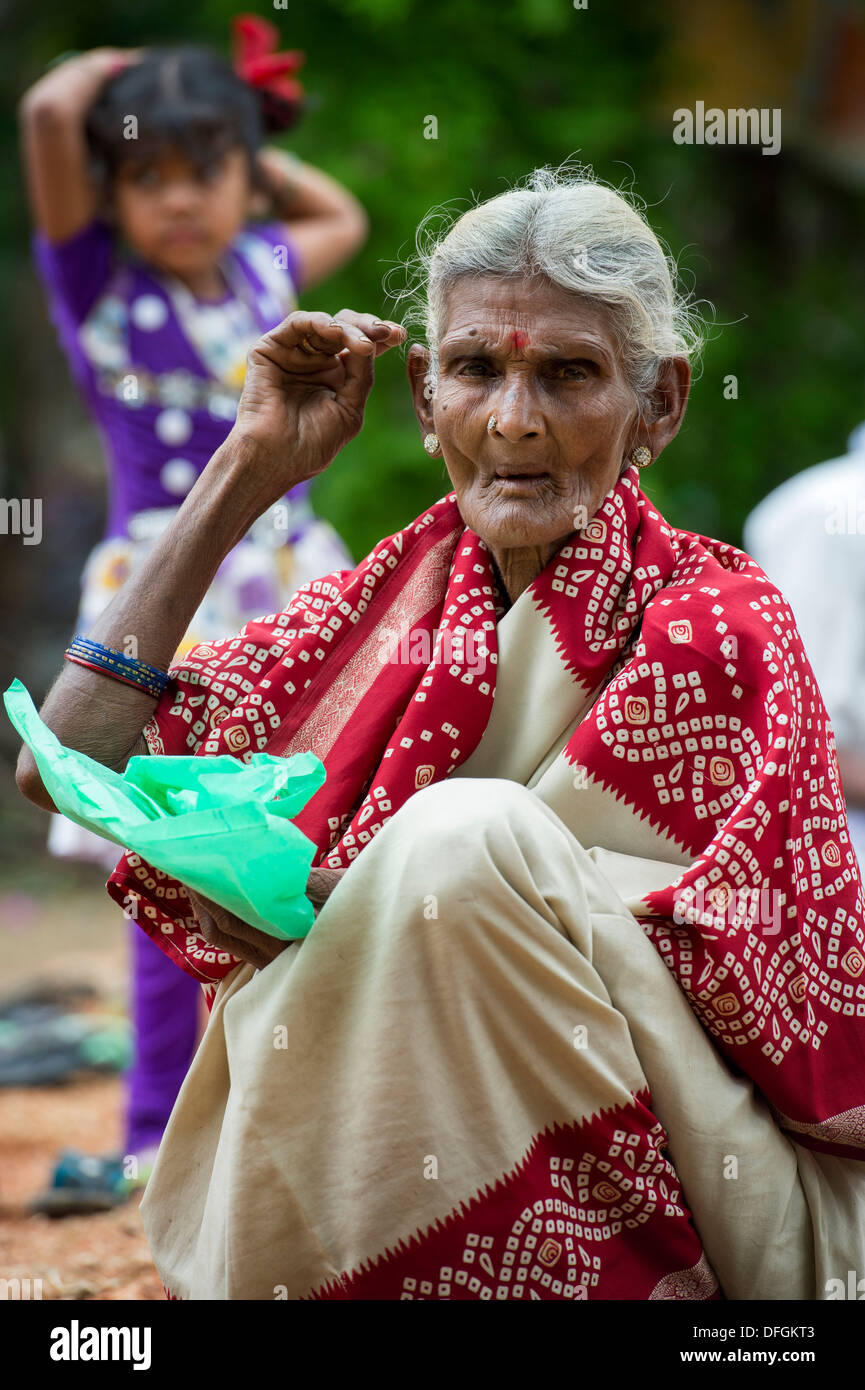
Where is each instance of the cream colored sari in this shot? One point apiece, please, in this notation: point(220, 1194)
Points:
point(477, 1078)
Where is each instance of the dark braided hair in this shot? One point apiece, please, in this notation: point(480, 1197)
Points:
point(188, 98)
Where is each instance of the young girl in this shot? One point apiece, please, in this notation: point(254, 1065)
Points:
point(145, 172)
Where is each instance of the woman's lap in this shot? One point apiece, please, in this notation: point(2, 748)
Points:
point(473, 1007)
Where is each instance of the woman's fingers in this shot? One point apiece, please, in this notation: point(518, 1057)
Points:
point(215, 920)
point(218, 940)
point(307, 384)
point(383, 332)
point(226, 932)
point(320, 885)
point(357, 365)
point(207, 923)
point(308, 335)
point(314, 338)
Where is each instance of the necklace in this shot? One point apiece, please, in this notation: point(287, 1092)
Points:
point(220, 333)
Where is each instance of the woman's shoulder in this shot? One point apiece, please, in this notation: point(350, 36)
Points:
point(720, 607)
point(714, 572)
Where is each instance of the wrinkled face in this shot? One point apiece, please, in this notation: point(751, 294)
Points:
point(180, 217)
point(546, 366)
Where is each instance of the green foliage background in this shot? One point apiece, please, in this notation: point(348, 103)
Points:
point(774, 244)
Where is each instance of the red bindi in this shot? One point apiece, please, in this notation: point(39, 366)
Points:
point(519, 340)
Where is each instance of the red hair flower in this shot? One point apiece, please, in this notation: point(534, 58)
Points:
point(257, 62)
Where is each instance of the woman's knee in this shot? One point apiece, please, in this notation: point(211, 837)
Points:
point(467, 805)
point(453, 821)
point(483, 849)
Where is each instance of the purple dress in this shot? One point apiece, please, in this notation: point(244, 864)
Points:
point(161, 373)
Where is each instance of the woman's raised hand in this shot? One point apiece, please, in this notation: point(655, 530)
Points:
point(307, 384)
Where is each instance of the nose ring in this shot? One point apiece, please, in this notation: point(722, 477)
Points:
point(491, 423)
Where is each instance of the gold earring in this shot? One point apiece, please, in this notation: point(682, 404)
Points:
point(491, 423)
point(431, 443)
point(641, 456)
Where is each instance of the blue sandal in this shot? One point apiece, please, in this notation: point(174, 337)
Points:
point(84, 1183)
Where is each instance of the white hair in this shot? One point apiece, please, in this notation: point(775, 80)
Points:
point(582, 235)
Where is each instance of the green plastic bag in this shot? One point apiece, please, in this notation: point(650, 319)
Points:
point(220, 826)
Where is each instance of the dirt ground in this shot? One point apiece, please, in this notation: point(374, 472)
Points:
point(69, 932)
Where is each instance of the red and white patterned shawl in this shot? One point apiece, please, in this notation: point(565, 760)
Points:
point(710, 728)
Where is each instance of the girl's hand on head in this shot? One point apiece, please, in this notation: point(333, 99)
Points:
point(69, 88)
point(276, 168)
point(96, 66)
point(273, 186)
point(110, 61)
point(307, 384)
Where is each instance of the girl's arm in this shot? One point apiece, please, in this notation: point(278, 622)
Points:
point(327, 223)
point(52, 115)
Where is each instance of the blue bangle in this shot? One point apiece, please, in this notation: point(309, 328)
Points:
point(128, 669)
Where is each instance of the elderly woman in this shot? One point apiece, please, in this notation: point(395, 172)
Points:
point(582, 1012)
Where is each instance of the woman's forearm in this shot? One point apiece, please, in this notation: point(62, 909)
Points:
point(307, 382)
point(100, 716)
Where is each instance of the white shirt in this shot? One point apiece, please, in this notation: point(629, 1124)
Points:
point(809, 537)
